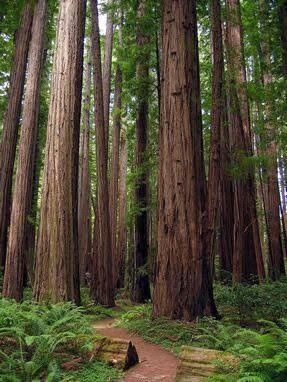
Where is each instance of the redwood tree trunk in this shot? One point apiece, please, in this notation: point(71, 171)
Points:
point(141, 290)
point(84, 193)
point(11, 122)
point(247, 253)
point(57, 267)
point(102, 283)
point(23, 188)
point(183, 288)
point(114, 176)
point(122, 227)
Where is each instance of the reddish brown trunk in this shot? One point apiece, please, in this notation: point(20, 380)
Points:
point(107, 70)
point(57, 267)
point(114, 176)
point(247, 253)
point(11, 122)
point(183, 288)
point(23, 188)
point(84, 193)
point(102, 283)
point(122, 228)
point(140, 290)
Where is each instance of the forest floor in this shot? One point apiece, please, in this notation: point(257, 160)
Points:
point(155, 363)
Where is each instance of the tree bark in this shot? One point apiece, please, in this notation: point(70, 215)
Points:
point(23, 188)
point(107, 71)
point(102, 283)
point(114, 176)
point(122, 227)
point(183, 287)
point(141, 289)
point(11, 123)
point(57, 263)
point(247, 253)
point(84, 193)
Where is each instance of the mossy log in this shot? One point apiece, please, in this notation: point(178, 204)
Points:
point(197, 364)
point(118, 353)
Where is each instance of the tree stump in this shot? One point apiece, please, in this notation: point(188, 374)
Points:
point(118, 353)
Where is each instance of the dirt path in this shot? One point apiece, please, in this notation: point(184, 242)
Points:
point(155, 364)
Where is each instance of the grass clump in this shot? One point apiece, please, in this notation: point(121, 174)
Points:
point(93, 372)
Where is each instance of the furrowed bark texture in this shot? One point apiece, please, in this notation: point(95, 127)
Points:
point(23, 188)
point(57, 263)
point(11, 123)
point(140, 289)
point(102, 283)
point(247, 253)
point(84, 193)
point(183, 288)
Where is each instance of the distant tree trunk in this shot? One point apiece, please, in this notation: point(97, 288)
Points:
point(272, 202)
point(84, 193)
point(214, 186)
point(23, 188)
point(102, 282)
point(57, 262)
point(114, 176)
point(183, 287)
point(107, 70)
point(247, 253)
point(284, 34)
point(141, 289)
point(11, 123)
point(122, 227)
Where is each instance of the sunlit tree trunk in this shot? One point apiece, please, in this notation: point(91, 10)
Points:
point(23, 188)
point(102, 282)
point(57, 262)
point(9, 136)
point(183, 288)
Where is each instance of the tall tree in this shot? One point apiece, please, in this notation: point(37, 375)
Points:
point(247, 253)
point(107, 69)
point(183, 286)
point(284, 34)
point(23, 188)
point(114, 175)
point(122, 228)
point(57, 268)
point(84, 192)
point(102, 283)
point(9, 136)
point(140, 288)
point(272, 197)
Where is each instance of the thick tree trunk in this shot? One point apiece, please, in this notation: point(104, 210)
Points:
point(114, 176)
point(11, 122)
point(122, 227)
point(84, 193)
point(102, 282)
point(183, 288)
point(107, 71)
point(140, 289)
point(57, 263)
point(23, 188)
point(247, 253)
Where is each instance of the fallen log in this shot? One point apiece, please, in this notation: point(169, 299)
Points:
point(197, 364)
point(118, 353)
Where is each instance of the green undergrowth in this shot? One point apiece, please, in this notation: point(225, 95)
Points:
point(36, 340)
point(253, 328)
